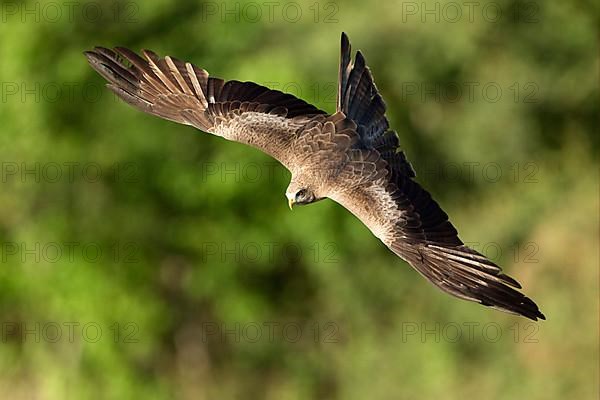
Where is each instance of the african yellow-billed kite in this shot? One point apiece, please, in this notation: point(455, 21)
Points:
point(351, 157)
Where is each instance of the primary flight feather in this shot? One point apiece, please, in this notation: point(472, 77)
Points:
point(351, 157)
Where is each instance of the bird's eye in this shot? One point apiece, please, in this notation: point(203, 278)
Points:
point(301, 194)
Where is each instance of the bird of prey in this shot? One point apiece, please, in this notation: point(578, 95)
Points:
point(351, 156)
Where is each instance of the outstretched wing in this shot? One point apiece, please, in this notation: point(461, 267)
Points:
point(360, 101)
point(377, 186)
point(179, 91)
point(409, 222)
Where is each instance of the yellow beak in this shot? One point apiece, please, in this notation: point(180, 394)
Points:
point(291, 203)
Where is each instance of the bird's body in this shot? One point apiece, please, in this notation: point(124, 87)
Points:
point(350, 156)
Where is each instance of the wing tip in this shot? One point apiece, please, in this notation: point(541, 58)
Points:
point(89, 55)
point(94, 54)
point(345, 41)
point(526, 308)
point(541, 316)
point(462, 272)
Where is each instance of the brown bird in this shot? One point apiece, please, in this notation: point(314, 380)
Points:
point(351, 157)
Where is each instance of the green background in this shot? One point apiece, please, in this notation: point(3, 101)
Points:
point(200, 254)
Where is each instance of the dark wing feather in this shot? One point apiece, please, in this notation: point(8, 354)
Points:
point(405, 217)
point(181, 92)
point(359, 99)
point(376, 185)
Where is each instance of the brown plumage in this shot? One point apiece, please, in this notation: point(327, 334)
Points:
point(350, 156)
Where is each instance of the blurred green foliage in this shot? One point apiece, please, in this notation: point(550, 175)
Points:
point(199, 250)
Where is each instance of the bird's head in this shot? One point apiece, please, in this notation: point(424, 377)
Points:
point(301, 193)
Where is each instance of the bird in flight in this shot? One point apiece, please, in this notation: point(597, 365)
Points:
point(351, 157)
